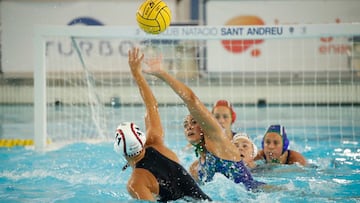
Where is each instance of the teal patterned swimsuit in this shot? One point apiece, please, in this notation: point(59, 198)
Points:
point(235, 171)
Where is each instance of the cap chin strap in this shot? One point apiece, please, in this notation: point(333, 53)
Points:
point(125, 167)
point(198, 148)
point(127, 163)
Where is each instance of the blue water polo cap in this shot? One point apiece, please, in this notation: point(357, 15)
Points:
point(279, 129)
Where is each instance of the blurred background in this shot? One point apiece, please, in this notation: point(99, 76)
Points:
point(311, 71)
point(19, 17)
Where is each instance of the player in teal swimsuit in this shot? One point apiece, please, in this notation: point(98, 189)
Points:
point(236, 171)
point(217, 153)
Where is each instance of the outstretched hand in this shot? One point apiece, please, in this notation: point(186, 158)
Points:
point(154, 66)
point(135, 60)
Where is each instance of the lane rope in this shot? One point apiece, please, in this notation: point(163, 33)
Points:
point(17, 142)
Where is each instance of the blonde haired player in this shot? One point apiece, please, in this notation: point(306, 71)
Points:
point(247, 148)
point(157, 174)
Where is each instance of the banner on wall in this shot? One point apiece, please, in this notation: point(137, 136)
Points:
point(18, 19)
point(295, 55)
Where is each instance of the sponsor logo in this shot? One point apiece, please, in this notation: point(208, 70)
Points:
point(85, 21)
point(240, 46)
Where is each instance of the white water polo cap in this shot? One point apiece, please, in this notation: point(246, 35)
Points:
point(129, 139)
point(245, 136)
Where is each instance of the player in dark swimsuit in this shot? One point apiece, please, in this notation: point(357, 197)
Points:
point(174, 181)
point(157, 174)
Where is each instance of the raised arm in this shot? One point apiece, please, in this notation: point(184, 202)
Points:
point(198, 110)
point(154, 130)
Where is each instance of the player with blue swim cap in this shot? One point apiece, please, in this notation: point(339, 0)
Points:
point(275, 146)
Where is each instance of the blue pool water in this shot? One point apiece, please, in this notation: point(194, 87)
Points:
point(90, 171)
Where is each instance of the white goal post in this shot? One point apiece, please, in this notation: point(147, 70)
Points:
point(208, 62)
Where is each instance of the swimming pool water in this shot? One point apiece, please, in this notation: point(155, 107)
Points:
point(90, 171)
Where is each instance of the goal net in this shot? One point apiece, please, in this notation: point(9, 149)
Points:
point(305, 77)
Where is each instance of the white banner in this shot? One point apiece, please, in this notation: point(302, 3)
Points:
point(296, 55)
point(19, 17)
point(109, 53)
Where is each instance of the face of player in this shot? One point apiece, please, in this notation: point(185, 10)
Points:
point(223, 115)
point(273, 145)
point(192, 130)
point(245, 148)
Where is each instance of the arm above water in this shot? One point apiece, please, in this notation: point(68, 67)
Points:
point(154, 130)
point(196, 108)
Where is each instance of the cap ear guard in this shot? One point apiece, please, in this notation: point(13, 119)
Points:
point(119, 146)
point(286, 141)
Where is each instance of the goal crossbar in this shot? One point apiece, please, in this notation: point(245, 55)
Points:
point(172, 33)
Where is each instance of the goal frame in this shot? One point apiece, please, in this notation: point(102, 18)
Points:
point(172, 33)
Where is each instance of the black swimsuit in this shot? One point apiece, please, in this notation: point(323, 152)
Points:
point(174, 181)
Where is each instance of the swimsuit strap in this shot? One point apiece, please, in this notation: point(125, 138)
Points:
point(287, 158)
point(277, 161)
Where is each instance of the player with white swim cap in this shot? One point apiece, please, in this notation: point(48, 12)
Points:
point(157, 174)
point(247, 148)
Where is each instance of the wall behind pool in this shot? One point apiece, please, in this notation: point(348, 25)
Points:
point(17, 43)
